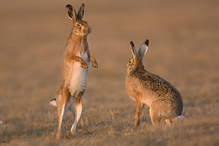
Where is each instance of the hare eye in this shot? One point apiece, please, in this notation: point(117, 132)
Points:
point(130, 61)
point(78, 24)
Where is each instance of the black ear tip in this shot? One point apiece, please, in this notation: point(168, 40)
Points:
point(132, 44)
point(147, 42)
point(83, 4)
point(68, 6)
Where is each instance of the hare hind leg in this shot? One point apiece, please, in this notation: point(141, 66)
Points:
point(168, 122)
point(154, 118)
point(62, 102)
point(76, 109)
point(61, 111)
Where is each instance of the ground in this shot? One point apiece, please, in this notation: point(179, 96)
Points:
point(184, 40)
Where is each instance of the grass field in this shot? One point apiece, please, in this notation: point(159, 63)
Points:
point(184, 50)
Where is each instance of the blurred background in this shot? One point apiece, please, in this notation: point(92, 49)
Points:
point(184, 40)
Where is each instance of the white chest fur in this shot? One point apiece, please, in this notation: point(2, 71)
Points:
point(78, 81)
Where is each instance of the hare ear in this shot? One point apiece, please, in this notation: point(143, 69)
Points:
point(144, 48)
point(133, 49)
point(81, 12)
point(71, 12)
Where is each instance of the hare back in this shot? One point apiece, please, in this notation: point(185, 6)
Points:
point(150, 88)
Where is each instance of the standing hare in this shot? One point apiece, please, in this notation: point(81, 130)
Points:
point(164, 100)
point(76, 62)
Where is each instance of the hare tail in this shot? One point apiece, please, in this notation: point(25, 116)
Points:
point(178, 118)
point(53, 102)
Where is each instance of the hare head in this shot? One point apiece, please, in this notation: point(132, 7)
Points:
point(136, 63)
point(80, 27)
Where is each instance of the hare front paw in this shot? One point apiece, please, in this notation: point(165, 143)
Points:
point(95, 64)
point(84, 65)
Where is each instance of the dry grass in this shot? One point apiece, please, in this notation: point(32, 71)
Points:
point(184, 40)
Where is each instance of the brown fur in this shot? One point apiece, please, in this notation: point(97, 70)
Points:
point(68, 98)
point(164, 100)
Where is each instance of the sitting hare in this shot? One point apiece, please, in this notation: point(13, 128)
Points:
point(164, 100)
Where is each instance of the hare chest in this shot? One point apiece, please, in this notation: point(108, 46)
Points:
point(137, 91)
point(78, 81)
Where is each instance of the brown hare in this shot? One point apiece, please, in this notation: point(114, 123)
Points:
point(76, 62)
point(164, 100)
